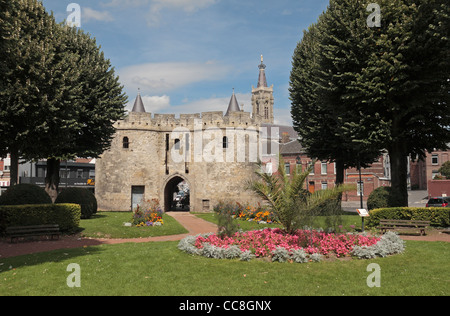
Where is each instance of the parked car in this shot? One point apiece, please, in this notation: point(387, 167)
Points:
point(440, 201)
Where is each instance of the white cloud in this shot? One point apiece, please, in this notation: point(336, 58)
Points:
point(157, 6)
point(282, 116)
point(188, 6)
point(162, 104)
point(212, 104)
point(153, 104)
point(89, 14)
point(185, 5)
point(161, 78)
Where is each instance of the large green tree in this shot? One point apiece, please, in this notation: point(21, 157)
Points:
point(96, 105)
point(61, 94)
point(321, 71)
point(33, 78)
point(383, 88)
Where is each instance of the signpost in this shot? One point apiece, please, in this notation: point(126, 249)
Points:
point(363, 213)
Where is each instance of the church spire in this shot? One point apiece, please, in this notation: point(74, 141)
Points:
point(262, 97)
point(262, 81)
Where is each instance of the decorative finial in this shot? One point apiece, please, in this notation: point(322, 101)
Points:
point(262, 59)
point(139, 91)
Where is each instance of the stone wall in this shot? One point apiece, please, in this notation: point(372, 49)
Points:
point(196, 154)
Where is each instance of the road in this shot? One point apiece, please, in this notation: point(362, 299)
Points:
point(416, 198)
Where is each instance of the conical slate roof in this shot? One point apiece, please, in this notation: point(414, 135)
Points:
point(233, 106)
point(138, 105)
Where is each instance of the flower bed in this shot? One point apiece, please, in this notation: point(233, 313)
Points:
point(149, 213)
point(305, 245)
point(262, 242)
point(251, 213)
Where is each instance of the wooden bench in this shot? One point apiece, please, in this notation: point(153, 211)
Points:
point(16, 232)
point(403, 225)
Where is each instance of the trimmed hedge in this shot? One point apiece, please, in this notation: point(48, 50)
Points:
point(383, 197)
point(85, 198)
point(67, 216)
point(438, 216)
point(25, 193)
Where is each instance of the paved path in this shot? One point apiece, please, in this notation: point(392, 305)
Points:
point(192, 223)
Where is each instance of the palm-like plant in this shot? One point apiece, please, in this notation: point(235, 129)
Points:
point(293, 206)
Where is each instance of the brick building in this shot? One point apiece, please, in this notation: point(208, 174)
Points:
point(4, 174)
point(323, 175)
point(425, 170)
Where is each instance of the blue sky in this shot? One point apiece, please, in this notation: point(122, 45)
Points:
point(186, 56)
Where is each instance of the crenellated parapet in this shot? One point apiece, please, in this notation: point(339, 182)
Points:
point(166, 122)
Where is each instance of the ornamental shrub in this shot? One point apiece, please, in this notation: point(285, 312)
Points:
point(21, 194)
point(383, 197)
point(80, 196)
point(280, 254)
point(299, 256)
point(226, 212)
point(67, 216)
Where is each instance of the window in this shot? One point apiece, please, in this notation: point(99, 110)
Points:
point(360, 188)
point(435, 159)
point(287, 167)
point(125, 143)
point(187, 142)
point(177, 144)
point(225, 142)
point(266, 113)
point(205, 205)
point(63, 173)
point(79, 173)
point(324, 185)
point(323, 168)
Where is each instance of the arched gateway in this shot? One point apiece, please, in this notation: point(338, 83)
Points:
point(209, 155)
point(177, 192)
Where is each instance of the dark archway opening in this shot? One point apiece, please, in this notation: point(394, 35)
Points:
point(177, 195)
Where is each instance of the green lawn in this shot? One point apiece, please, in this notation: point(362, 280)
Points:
point(161, 269)
point(110, 225)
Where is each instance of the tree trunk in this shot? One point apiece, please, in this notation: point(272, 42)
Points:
point(339, 171)
point(399, 172)
point(14, 171)
point(52, 178)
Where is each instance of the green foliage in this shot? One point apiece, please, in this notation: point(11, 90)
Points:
point(356, 90)
point(21, 194)
point(67, 216)
point(80, 196)
point(60, 96)
point(445, 169)
point(227, 226)
point(383, 197)
point(291, 204)
point(438, 216)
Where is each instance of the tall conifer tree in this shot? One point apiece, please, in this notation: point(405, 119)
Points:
point(387, 87)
